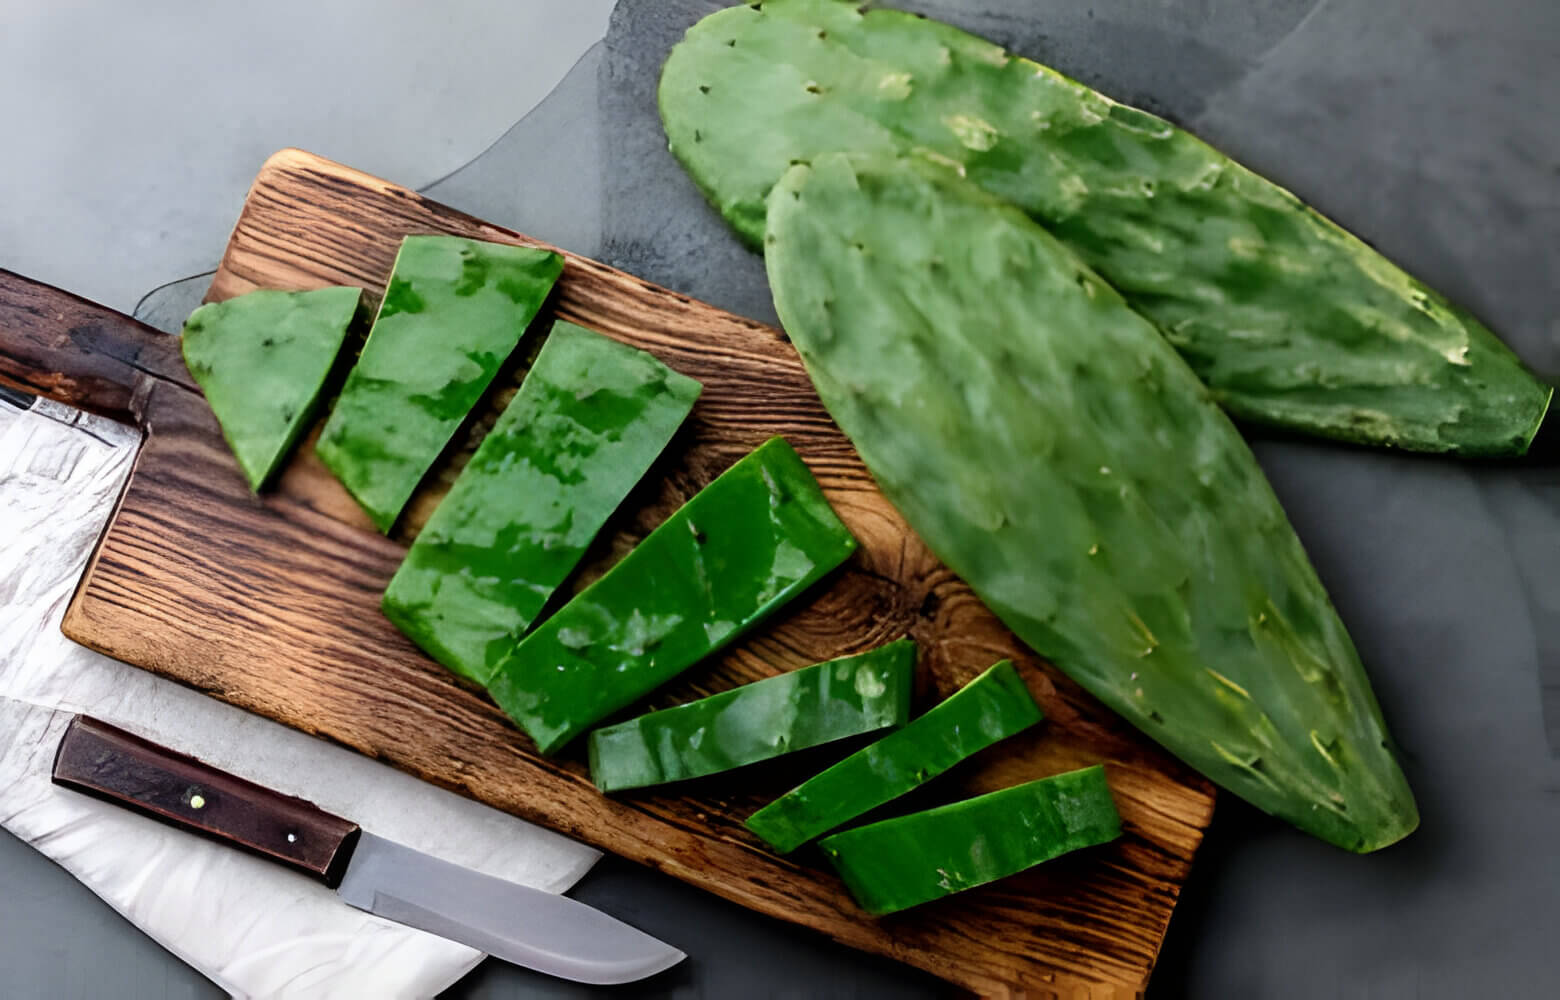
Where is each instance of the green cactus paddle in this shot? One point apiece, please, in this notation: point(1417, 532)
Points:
point(1056, 453)
point(1287, 318)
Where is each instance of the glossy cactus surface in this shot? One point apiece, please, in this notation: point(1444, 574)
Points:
point(759, 721)
point(588, 421)
point(988, 709)
point(739, 550)
point(902, 862)
point(453, 311)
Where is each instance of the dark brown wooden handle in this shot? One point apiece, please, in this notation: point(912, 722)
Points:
point(55, 344)
point(109, 763)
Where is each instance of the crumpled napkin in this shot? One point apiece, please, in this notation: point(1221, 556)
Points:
point(253, 928)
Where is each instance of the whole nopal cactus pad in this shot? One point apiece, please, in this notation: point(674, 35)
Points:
point(1057, 454)
point(1288, 319)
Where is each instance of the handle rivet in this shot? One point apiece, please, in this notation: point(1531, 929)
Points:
point(292, 838)
point(197, 801)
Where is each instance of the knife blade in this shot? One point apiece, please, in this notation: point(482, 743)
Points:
point(538, 930)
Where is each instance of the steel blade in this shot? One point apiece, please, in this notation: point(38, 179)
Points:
point(539, 930)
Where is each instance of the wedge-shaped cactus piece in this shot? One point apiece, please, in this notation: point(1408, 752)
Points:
point(590, 418)
point(453, 311)
point(746, 544)
point(1287, 318)
point(989, 708)
point(262, 360)
point(758, 721)
point(903, 862)
point(1057, 454)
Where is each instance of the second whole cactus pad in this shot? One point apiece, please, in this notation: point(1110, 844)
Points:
point(1289, 319)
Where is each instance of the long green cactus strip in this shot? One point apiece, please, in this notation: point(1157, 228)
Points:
point(1056, 453)
point(1286, 317)
point(902, 862)
point(262, 360)
point(989, 708)
point(758, 721)
point(453, 311)
point(746, 544)
point(588, 421)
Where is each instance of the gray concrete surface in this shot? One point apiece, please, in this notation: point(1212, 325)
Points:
point(1427, 126)
point(135, 128)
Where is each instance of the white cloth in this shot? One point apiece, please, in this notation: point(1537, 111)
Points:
point(253, 928)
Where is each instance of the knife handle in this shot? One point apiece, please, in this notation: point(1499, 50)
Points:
point(109, 763)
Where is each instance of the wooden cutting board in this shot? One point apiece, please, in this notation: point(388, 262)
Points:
point(271, 604)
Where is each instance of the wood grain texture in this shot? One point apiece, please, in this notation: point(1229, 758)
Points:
point(271, 603)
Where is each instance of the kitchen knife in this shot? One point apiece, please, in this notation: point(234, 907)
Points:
point(539, 930)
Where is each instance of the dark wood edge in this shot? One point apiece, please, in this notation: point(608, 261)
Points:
point(63, 347)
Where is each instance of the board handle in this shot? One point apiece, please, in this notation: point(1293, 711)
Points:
point(60, 346)
point(106, 762)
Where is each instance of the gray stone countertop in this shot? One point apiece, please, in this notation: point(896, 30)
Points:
point(1429, 127)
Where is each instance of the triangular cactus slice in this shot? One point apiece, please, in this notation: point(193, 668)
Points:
point(262, 360)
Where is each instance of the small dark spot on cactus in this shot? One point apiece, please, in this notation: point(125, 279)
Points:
point(796, 195)
point(698, 136)
point(704, 89)
point(287, 414)
point(813, 88)
point(1154, 716)
point(732, 43)
point(822, 34)
point(268, 342)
